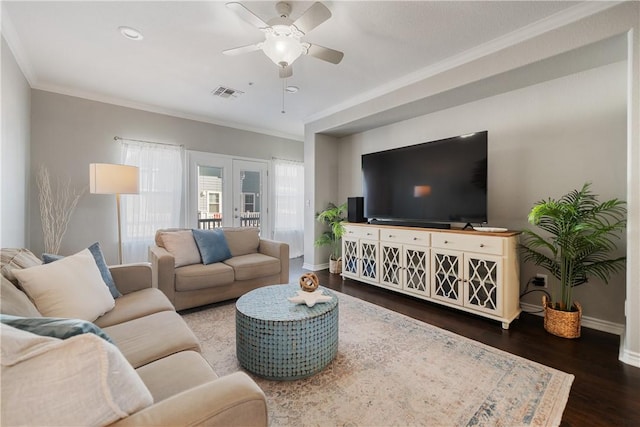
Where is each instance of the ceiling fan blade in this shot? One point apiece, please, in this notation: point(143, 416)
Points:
point(286, 72)
point(247, 15)
point(242, 49)
point(312, 17)
point(326, 54)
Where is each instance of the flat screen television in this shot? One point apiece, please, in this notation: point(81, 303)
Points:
point(431, 184)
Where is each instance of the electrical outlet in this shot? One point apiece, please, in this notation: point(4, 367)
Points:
point(541, 280)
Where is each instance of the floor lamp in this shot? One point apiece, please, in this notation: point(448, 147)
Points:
point(107, 178)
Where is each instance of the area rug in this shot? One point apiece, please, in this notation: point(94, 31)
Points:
point(392, 370)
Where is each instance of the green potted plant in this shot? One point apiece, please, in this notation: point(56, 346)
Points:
point(579, 235)
point(333, 218)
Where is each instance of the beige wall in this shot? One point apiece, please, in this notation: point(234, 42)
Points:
point(14, 152)
point(68, 133)
point(321, 185)
point(544, 140)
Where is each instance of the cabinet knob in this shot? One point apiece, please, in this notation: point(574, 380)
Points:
point(391, 236)
point(446, 241)
point(415, 238)
point(482, 245)
point(368, 234)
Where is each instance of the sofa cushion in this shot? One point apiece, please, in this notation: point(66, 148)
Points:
point(212, 245)
point(101, 263)
point(134, 305)
point(182, 245)
point(152, 337)
point(16, 258)
point(199, 276)
point(71, 287)
point(158, 237)
point(242, 240)
point(15, 302)
point(176, 373)
point(83, 380)
point(251, 266)
point(53, 326)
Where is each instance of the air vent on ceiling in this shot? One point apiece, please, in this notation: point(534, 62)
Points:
point(226, 92)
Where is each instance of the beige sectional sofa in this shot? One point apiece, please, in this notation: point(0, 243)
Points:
point(156, 349)
point(187, 282)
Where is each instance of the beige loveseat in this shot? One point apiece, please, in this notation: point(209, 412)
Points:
point(162, 357)
point(188, 283)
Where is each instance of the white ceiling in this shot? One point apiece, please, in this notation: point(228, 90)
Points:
point(75, 48)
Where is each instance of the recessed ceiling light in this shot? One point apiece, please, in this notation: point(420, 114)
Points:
point(131, 33)
point(292, 89)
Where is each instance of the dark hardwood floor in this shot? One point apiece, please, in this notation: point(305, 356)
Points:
point(605, 391)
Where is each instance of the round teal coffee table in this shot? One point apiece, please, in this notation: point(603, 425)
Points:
point(279, 340)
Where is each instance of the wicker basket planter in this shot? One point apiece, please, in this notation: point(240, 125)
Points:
point(335, 266)
point(565, 324)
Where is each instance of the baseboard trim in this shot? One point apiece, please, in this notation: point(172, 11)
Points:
point(630, 358)
point(315, 267)
point(627, 356)
point(587, 322)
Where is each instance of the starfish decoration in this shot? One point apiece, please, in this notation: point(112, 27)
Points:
point(310, 298)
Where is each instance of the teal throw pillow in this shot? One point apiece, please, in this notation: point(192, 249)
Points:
point(49, 258)
point(212, 245)
point(98, 256)
point(54, 327)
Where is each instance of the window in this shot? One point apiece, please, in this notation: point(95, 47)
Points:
point(159, 203)
point(289, 205)
point(214, 203)
point(248, 202)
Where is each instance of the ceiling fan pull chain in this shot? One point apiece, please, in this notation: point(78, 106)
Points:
point(284, 85)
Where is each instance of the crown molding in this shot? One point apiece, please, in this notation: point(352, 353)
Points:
point(93, 96)
point(557, 20)
point(15, 46)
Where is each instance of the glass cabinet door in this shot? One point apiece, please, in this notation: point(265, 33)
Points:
point(446, 279)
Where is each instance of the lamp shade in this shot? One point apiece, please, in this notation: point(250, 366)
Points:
point(105, 178)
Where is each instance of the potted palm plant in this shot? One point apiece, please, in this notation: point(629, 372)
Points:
point(333, 218)
point(579, 235)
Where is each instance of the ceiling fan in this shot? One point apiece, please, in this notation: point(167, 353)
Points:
point(282, 42)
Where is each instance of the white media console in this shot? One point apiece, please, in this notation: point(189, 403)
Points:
point(477, 272)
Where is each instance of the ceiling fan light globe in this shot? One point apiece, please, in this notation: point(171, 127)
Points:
point(282, 47)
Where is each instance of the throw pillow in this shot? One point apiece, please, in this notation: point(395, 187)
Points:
point(12, 259)
point(98, 256)
point(71, 287)
point(212, 245)
point(83, 380)
point(182, 246)
point(49, 258)
point(54, 327)
point(15, 302)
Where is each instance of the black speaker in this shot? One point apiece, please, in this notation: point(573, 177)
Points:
point(355, 209)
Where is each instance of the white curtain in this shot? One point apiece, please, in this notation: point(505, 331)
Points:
point(158, 204)
point(289, 203)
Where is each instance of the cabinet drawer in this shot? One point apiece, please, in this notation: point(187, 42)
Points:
point(420, 238)
point(361, 232)
point(461, 242)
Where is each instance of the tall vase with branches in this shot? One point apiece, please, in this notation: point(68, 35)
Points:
point(57, 203)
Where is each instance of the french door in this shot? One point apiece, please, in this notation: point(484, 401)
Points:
point(227, 192)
